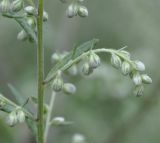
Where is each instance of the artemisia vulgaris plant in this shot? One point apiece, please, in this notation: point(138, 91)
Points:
point(31, 18)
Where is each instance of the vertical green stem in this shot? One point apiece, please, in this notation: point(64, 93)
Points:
point(40, 62)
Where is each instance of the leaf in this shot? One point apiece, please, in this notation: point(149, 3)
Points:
point(7, 107)
point(32, 126)
point(34, 99)
point(19, 98)
point(76, 52)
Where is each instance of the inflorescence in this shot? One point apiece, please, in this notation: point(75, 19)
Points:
point(25, 15)
point(120, 59)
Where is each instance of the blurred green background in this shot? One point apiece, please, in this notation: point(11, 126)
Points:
point(104, 109)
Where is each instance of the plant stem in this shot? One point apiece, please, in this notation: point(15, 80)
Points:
point(40, 62)
point(49, 115)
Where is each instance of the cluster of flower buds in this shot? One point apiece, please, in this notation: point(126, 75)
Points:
point(121, 60)
point(57, 57)
point(15, 6)
point(30, 14)
point(76, 8)
point(58, 85)
point(92, 62)
point(16, 116)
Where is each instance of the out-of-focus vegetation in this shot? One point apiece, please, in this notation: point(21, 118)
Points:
point(103, 109)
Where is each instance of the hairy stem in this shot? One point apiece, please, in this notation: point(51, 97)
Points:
point(49, 115)
point(40, 62)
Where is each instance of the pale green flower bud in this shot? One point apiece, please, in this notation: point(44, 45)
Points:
point(69, 88)
point(139, 66)
point(137, 79)
point(94, 60)
point(73, 70)
point(78, 138)
point(2, 103)
point(55, 58)
point(17, 5)
point(57, 84)
point(45, 16)
point(71, 11)
point(125, 53)
point(12, 119)
point(31, 21)
point(22, 35)
point(30, 10)
point(126, 68)
point(82, 11)
point(58, 121)
point(139, 91)
point(116, 61)
point(146, 79)
point(86, 70)
point(20, 116)
point(5, 6)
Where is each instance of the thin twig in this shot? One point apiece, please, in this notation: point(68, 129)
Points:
point(49, 115)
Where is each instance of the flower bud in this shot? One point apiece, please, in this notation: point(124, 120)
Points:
point(73, 70)
point(55, 58)
point(139, 66)
point(17, 5)
point(5, 6)
point(45, 16)
point(30, 10)
point(86, 70)
point(69, 88)
point(125, 53)
point(116, 61)
point(137, 79)
point(58, 121)
point(57, 84)
point(2, 103)
point(82, 11)
point(31, 21)
point(22, 35)
point(78, 138)
point(20, 116)
point(71, 11)
point(94, 60)
point(146, 79)
point(126, 68)
point(12, 119)
point(139, 91)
